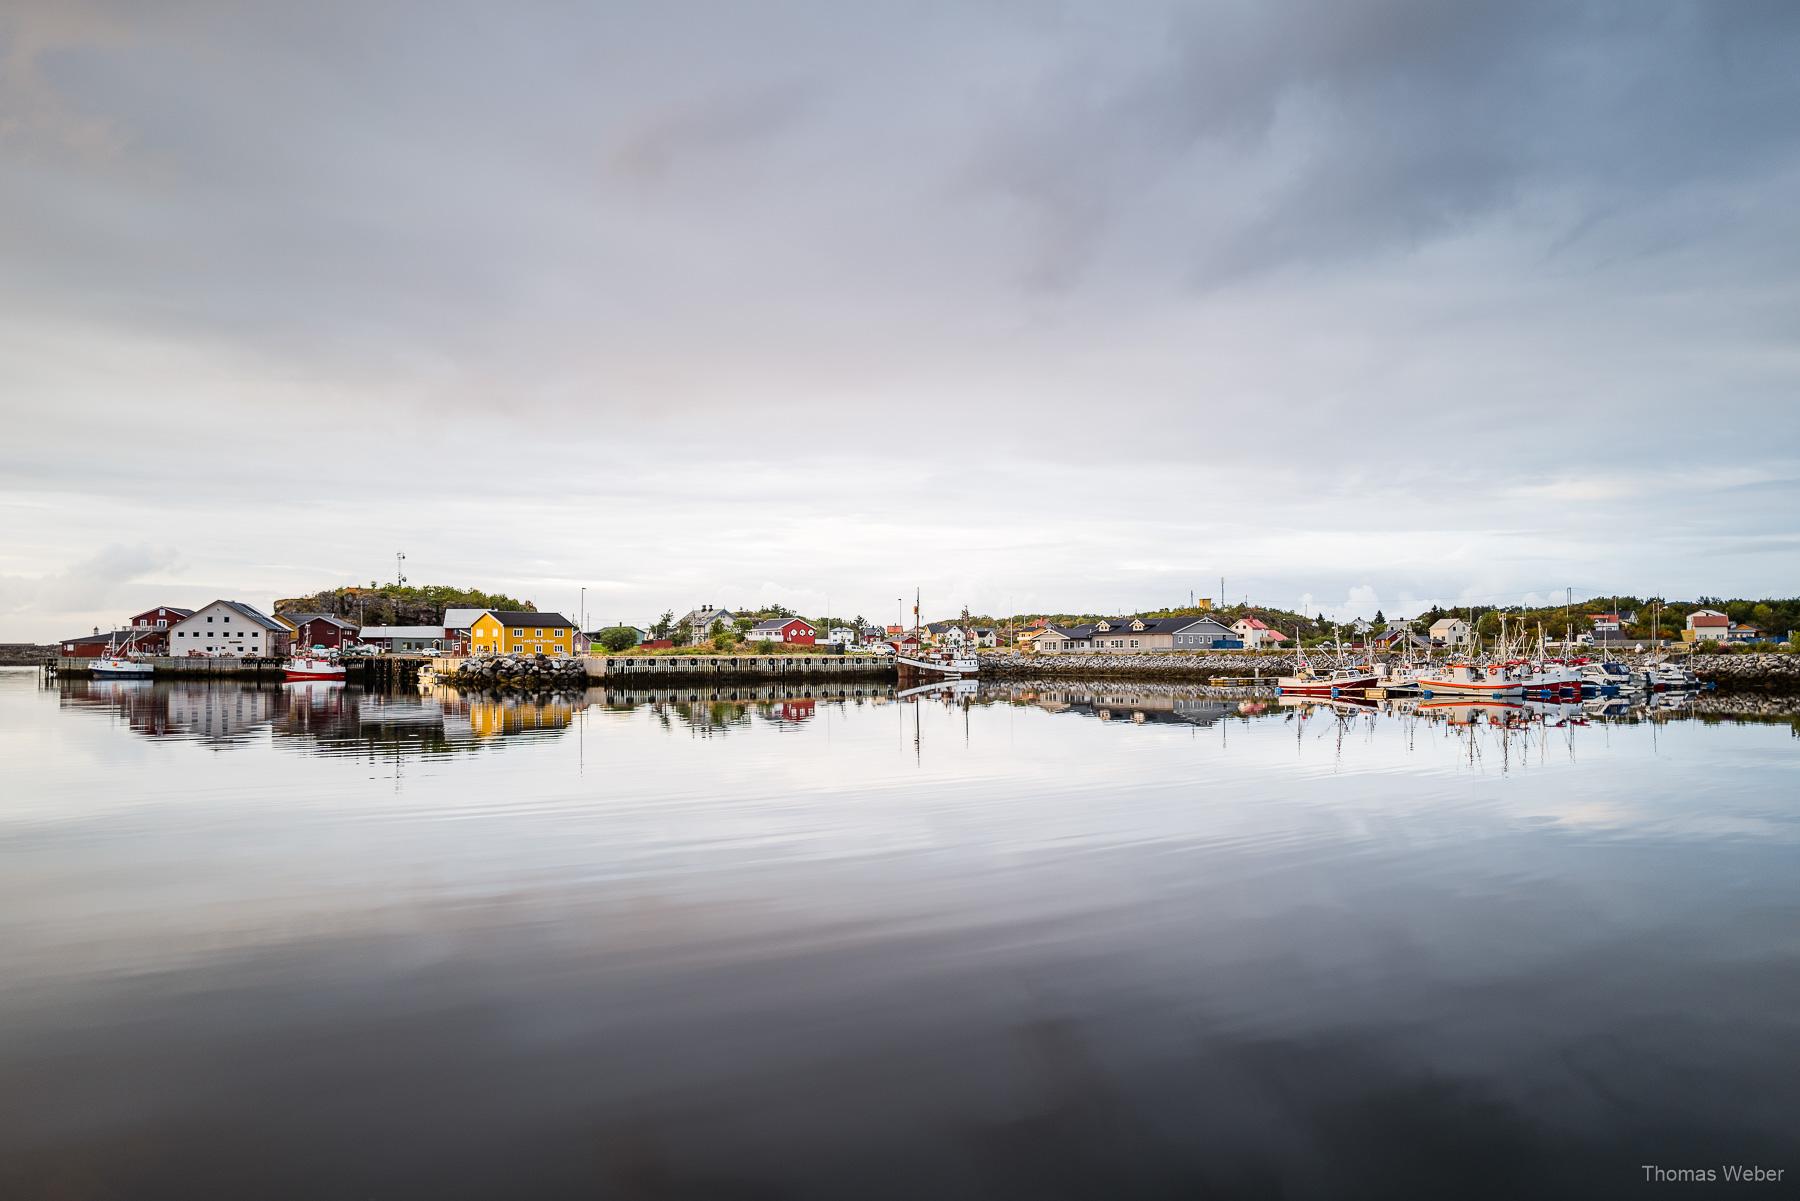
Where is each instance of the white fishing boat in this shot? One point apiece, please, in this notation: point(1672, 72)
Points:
point(1610, 676)
point(1493, 680)
point(1308, 680)
point(312, 667)
point(113, 668)
point(120, 662)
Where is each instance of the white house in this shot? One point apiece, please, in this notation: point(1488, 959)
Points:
point(702, 620)
point(840, 636)
point(986, 636)
point(1257, 633)
point(229, 629)
point(1449, 631)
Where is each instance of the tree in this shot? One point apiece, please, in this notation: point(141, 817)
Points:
point(683, 633)
point(1379, 619)
point(724, 636)
point(618, 638)
point(664, 624)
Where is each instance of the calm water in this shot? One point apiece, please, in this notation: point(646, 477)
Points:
point(315, 943)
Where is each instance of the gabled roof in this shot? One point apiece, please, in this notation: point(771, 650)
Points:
point(249, 613)
point(512, 618)
point(175, 609)
point(461, 619)
point(301, 619)
point(778, 623)
point(379, 632)
point(1255, 623)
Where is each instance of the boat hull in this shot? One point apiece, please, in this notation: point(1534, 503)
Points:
point(120, 670)
point(1454, 688)
point(317, 669)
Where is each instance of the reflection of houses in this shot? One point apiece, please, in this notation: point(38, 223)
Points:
point(800, 708)
point(499, 717)
point(1137, 706)
point(219, 714)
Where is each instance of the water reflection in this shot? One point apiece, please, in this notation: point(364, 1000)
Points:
point(1025, 940)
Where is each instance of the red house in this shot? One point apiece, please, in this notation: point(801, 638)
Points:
point(159, 618)
point(130, 641)
point(321, 629)
point(796, 630)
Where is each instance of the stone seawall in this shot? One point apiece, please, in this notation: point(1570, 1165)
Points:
point(1774, 672)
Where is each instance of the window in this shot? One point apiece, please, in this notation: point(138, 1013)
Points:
point(162, 623)
point(540, 633)
point(521, 633)
point(539, 648)
point(209, 620)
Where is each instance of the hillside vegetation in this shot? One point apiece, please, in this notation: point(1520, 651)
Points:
point(398, 604)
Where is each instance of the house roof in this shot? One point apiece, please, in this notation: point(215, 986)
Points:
point(1603, 617)
point(175, 609)
point(1122, 626)
point(369, 632)
point(1444, 623)
point(1255, 623)
point(696, 616)
point(781, 623)
point(461, 619)
point(511, 617)
point(301, 619)
point(1708, 617)
point(131, 634)
point(249, 612)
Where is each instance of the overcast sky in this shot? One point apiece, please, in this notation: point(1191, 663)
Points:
point(1028, 305)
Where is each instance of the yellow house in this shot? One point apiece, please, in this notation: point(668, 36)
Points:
point(497, 633)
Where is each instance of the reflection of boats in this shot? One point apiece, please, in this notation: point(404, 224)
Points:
point(312, 667)
point(947, 689)
point(1668, 677)
point(1460, 712)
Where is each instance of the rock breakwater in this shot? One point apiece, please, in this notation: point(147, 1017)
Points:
point(528, 672)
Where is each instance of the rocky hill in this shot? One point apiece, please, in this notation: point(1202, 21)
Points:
point(397, 605)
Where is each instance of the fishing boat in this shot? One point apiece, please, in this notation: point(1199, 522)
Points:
point(1307, 680)
point(1609, 677)
point(119, 662)
point(312, 667)
point(1494, 680)
point(1670, 677)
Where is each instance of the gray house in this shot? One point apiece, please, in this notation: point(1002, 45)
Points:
point(1128, 635)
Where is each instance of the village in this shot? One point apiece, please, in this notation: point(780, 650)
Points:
point(234, 629)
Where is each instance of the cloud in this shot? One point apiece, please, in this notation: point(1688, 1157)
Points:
point(1023, 306)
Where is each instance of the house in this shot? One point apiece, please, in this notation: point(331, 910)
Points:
point(1607, 623)
point(229, 629)
point(986, 636)
point(702, 620)
point(1707, 625)
point(896, 631)
point(159, 618)
point(1026, 640)
point(796, 630)
point(947, 633)
point(1257, 633)
point(841, 636)
point(130, 641)
point(321, 629)
point(1397, 638)
point(1448, 631)
point(873, 634)
point(403, 640)
point(1739, 633)
point(1134, 635)
point(504, 632)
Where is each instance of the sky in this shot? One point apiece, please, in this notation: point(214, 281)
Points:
point(1028, 306)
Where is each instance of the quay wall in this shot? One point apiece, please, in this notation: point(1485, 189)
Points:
point(650, 670)
point(661, 671)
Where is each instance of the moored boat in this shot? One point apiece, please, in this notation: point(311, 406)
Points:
point(1493, 680)
point(312, 667)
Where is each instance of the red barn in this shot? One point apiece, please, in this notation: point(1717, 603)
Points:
point(134, 641)
point(321, 629)
point(796, 630)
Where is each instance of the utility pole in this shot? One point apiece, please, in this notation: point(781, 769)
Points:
point(581, 609)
